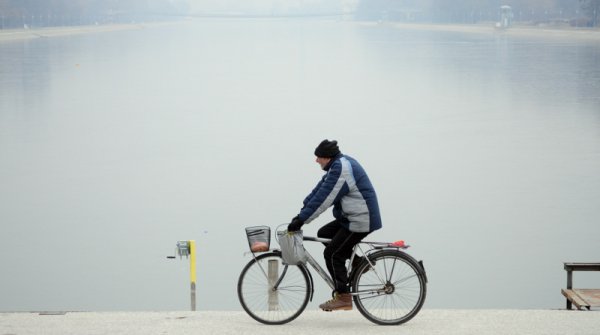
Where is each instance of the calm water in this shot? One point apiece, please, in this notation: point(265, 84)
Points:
point(484, 149)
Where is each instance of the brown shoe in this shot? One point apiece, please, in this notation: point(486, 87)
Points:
point(340, 302)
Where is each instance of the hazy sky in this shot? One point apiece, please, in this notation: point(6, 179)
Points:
point(266, 6)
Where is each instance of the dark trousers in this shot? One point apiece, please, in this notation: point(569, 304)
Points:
point(338, 251)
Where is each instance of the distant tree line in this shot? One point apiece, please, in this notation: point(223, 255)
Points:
point(581, 12)
point(43, 13)
point(592, 8)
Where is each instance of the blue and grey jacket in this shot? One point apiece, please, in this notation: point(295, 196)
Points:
point(347, 187)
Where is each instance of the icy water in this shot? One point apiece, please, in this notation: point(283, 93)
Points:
point(484, 149)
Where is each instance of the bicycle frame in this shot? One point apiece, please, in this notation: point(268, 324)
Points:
point(316, 266)
point(324, 274)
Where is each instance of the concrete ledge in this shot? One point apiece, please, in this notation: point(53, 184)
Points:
point(522, 31)
point(24, 34)
point(590, 34)
point(447, 322)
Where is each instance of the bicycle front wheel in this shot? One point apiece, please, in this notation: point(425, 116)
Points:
point(272, 292)
point(391, 289)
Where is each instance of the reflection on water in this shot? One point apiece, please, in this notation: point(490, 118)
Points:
point(484, 150)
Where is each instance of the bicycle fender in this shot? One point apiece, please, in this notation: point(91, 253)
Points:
point(312, 285)
point(310, 277)
point(419, 264)
point(424, 274)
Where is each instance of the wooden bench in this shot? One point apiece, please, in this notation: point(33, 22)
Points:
point(581, 298)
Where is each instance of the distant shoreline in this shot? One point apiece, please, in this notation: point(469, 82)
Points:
point(517, 30)
point(33, 33)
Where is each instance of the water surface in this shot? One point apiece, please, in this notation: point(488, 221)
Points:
point(484, 150)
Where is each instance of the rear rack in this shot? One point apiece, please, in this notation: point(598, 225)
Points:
point(375, 245)
point(382, 245)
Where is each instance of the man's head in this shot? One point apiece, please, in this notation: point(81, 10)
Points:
point(326, 151)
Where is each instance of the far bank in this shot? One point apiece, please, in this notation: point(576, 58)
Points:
point(33, 33)
point(565, 33)
point(516, 30)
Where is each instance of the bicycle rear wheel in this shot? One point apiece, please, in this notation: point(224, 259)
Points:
point(392, 291)
point(271, 292)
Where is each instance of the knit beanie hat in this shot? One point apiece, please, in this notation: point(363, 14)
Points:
point(327, 149)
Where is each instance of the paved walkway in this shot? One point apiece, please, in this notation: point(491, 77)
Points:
point(430, 322)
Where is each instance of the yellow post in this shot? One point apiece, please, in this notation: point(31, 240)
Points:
point(192, 245)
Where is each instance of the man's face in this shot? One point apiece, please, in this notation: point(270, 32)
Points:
point(323, 161)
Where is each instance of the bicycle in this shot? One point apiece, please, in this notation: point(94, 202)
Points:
point(388, 286)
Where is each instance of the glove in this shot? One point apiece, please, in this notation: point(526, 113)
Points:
point(295, 225)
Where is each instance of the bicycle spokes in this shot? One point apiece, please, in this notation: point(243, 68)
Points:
point(271, 292)
point(393, 291)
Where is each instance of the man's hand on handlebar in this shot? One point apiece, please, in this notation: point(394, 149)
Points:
point(295, 225)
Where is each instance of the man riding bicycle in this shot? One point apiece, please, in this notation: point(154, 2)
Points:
point(347, 188)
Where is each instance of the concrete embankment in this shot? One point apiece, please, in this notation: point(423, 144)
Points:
point(517, 31)
point(24, 34)
point(565, 33)
point(428, 321)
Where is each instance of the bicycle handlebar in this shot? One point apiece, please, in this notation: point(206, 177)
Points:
point(316, 239)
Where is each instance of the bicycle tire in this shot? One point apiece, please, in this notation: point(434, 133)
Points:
point(392, 291)
point(273, 307)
